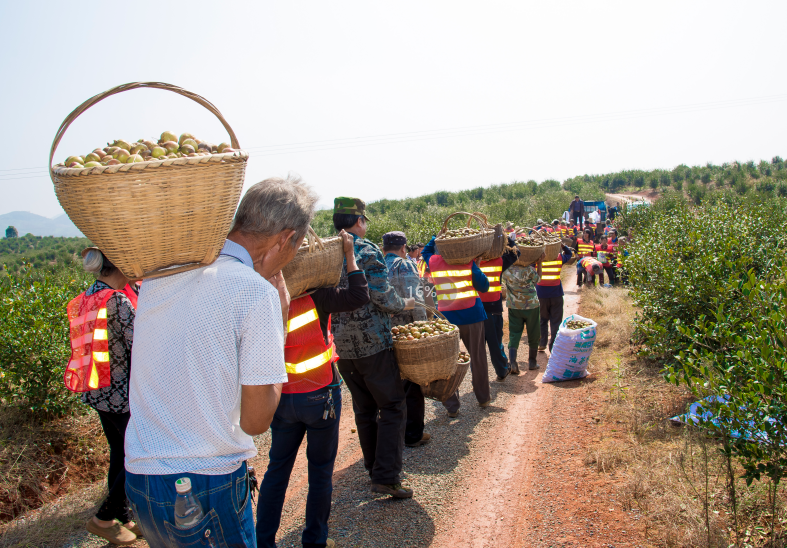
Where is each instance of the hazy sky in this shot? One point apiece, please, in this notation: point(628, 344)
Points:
point(376, 89)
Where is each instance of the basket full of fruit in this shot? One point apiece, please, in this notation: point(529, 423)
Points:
point(318, 263)
point(552, 245)
point(443, 389)
point(531, 247)
point(499, 238)
point(154, 206)
point(462, 245)
point(426, 351)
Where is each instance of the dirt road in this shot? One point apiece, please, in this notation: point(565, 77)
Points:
point(511, 475)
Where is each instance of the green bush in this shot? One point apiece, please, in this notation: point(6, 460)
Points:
point(34, 338)
point(737, 355)
point(683, 256)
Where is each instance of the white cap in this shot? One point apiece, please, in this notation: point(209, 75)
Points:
point(183, 485)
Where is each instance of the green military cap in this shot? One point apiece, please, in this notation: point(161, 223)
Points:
point(349, 206)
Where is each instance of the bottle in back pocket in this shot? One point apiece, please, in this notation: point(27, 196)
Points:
point(188, 511)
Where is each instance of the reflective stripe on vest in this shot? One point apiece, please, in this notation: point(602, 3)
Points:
point(550, 272)
point(453, 283)
point(585, 248)
point(89, 367)
point(493, 270)
point(307, 357)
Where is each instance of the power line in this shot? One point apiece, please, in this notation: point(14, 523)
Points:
point(461, 131)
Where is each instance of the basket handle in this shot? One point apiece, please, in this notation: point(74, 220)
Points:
point(136, 85)
point(314, 240)
point(478, 214)
point(445, 223)
point(432, 310)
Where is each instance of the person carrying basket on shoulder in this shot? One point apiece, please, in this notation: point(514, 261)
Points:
point(207, 373)
point(524, 310)
point(458, 288)
point(310, 406)
point(102, 333)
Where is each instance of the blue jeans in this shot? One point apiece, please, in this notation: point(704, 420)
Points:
point(228, 521)
point(296, 416)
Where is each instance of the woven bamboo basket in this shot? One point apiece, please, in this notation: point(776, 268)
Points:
point(424, 361)
point(529, 255)
point(154, 218)
point(552, 246)
point(317, 264)
point(499, 239)
point(444, 389)
point(464, 250)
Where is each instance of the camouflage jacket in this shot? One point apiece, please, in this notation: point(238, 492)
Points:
point(403, 275)
point(367, 330)
point(521, 287)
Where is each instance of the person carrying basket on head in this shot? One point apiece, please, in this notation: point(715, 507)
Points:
point(102, 332)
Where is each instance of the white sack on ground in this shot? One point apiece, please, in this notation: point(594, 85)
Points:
point(571, 352)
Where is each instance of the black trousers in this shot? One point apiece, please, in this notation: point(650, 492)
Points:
point(376, 387)
point(115, 506)
point(416, 407)
point(493, 333)
point(551, 316)
point(577, 219)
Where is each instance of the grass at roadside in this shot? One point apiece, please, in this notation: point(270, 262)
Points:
point(41, 462)
point(675, 476)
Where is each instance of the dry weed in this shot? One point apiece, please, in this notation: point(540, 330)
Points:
point(674, 476)
point(41, 462)
point(55, 525)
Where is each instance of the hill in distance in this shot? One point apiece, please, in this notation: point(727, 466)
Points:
point(26, 222)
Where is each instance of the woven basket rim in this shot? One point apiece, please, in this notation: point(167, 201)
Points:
point(435, 338)
point(238, 155)
point(486, 231)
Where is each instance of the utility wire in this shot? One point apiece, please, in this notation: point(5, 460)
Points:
point(461, 131)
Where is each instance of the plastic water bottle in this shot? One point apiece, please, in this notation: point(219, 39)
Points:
point(188, 510)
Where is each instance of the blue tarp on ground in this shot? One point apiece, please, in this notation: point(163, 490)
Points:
point(697, 411)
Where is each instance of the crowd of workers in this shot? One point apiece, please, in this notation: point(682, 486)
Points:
point(222, 353)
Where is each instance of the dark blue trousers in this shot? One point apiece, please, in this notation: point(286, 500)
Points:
point(296, 416)
point(493, 333)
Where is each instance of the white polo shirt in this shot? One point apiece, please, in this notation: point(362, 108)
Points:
point(198, 336)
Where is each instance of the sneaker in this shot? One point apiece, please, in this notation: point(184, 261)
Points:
point(330, 543)
point(115, 534)
point(423, 441)
point(397, 490)
point(134, 529)
point(452, 415)
point(542, 348)
point(501, 379)
point(485, 404)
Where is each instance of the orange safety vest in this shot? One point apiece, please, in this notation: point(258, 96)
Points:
point(493, 270)
point(88, 369)
point(585, 248)
point(588, 262)
point(453, 283)
point(308, 359)
point(422, 271)
point(550, 272)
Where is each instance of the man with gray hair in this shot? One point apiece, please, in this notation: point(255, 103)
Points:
point(207, 370)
